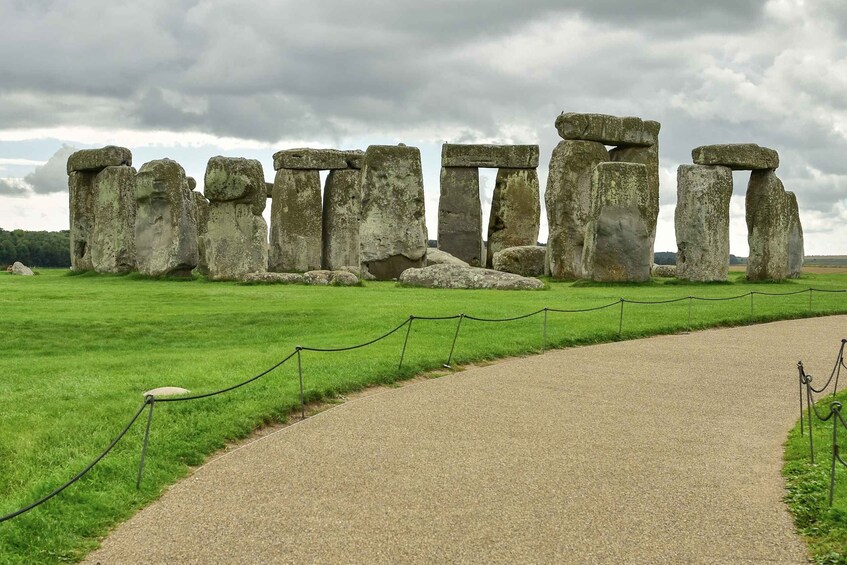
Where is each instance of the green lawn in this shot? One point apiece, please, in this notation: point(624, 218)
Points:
point(77, 352)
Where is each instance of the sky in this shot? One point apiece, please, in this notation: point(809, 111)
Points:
point(246, 78)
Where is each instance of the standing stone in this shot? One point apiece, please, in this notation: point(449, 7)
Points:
point(165, 233)
point(702, 222)
point(236, 233)
point(201, 219)
point(796, 251)
point(113, 235)
point(341, 210)
point(460, 215)
point(568, 199)
point(617, 242)
point(296, 221)
point(515, 211)
point(82, 203)
point(393, 230)
point(767, 227)
point(649, 157)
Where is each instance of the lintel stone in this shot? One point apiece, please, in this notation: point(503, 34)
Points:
point(736, 156)
point(95, 160)
point(317, 159)
point(489, 156)
point(608, 130)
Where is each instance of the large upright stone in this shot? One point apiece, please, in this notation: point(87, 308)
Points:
point(768, 222)
point(95, 160)
point(342, 207)
point(317, 159)
point(736, 156)
point(82, 203)
point(515, 211)
point(236, 233)
point(649, 157)
point(702, 222)
point(165, 233)
point(201, 219)
point(296, 221)
point(617, 243)
point(460, 215)
point(568, 200)
point(489, 156)
point(393, 230)
point(796, 251)
point(113, 235)
point(608, 130)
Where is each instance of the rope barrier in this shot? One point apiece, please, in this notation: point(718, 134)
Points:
point(150, 401)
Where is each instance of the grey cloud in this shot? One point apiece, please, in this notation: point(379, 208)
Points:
point(10, 188)
point(52, 176)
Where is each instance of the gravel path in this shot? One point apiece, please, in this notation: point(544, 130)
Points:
point(661, 450)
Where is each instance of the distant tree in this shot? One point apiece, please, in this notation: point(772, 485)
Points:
point(664, 258)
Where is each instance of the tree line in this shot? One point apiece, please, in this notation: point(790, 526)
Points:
point(35, 248)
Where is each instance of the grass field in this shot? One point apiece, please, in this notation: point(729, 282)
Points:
point(78, 351)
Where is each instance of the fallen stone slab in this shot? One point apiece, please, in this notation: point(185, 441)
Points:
point(489, 156)
point(19, 268)
point(323, 277)
point(525, 260)
point(439, 257)
point(736, 156)
point(456, 276)
point(166, 391)
point(665, 271)
point(273, 278)
point(95, 160)
point(318, 159)
point(608, 130)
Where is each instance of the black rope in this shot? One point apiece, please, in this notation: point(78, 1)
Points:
point(708, 299)
point(359, 346)
point(793, 292)
point(437, 317)
point(223, 390)
point(82, 473)
point(669, 301)
point(579, 310)
point(505, 319)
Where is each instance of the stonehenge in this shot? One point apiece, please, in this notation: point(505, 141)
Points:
point(459, 207)
point(571, 194)
point(392, 231)
point(236, 234)
point(602, 203)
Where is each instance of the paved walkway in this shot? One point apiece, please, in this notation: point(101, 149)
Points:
point(661, 450)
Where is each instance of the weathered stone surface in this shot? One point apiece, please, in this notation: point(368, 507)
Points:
point(665, 271)
point(608, 130)
point(393, 228)
point(526, 260)
point(438, 257)
point(165, 233)
point(768, 222)
point(201, 219)
point(236, 241)
point(649, 157)
point(317, 159)
point(272, 278)
point(95, 160)
point(702, 222)
point(617, 242)
point(568, 200)
point(489, 156)
point(192, 183)
point(82, 203)
point(460, 215)
point(456, 276)
point(235, 179)
point(342, 207)
point(113, 233)
point(296, 221)
point(796, 250)
point(515, 211)
point(269, 187)
point(325, 277)
point(19, 268)
point(736, 156)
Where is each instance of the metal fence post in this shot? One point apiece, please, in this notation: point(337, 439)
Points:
point(302, 396)
point(405, 341)
point(620, 322)
point(810, 301)
point(151, 400)
point(544, 341)
point(455, 337)
point(751, 306)
point(835, 413)
point(690, 300)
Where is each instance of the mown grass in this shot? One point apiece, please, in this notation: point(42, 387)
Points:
point(78, 351)
point(823, 527)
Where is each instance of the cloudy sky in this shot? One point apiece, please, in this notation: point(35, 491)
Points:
point(191, 79)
